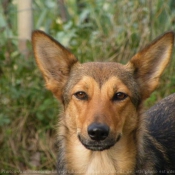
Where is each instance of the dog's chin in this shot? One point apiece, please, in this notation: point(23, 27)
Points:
point(98, 145)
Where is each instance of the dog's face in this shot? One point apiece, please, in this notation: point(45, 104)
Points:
point(101, 100)
point(101, 104)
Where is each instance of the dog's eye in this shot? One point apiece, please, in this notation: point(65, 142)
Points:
point(119, 96)
point(81, 95)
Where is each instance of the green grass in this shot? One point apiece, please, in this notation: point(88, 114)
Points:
point(95, 31)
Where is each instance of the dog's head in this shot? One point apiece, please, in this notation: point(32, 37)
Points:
point(101, 99)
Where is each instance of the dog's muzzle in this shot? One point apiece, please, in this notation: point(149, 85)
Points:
point(99, 138)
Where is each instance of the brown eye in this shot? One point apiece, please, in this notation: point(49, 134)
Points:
point(81, 95)
point(119, 96)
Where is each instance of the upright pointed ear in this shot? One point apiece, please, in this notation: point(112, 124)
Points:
point(148, 64)
point(54, 61)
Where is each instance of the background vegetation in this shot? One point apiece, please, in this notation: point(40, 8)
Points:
point(105, 30)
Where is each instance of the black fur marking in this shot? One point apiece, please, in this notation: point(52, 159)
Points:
point(159, 143)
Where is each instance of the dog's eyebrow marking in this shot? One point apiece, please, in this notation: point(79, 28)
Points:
point(101, 73)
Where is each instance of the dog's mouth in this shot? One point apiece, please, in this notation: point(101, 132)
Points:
point(99, 145)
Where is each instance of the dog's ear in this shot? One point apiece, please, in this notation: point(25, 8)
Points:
point(54, 61)
point(148, 64)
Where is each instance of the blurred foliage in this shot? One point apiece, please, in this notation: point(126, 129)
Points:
point(101, 30)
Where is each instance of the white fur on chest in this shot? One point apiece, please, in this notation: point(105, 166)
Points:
point(108, 162)
point(100, 163)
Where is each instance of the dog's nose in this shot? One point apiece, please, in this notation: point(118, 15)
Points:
point(98, 131)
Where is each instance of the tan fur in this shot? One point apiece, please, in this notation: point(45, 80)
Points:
point(110, 160)
point(120, 159)
point(100, 82)
point(100, 108)
point(158, 52)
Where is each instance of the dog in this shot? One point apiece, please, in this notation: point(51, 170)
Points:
point(102, 128)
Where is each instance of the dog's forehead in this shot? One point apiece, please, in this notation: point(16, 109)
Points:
point(102, 71)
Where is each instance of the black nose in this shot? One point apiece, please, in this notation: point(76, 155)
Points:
point(98, 131)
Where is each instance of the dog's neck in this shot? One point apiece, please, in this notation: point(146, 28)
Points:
point(83, 161)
